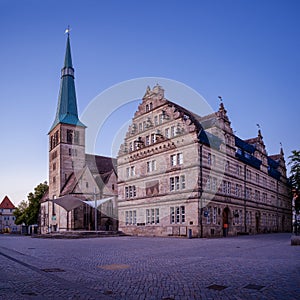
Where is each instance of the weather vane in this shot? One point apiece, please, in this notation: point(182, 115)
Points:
point(258, 126)
point(220, 97)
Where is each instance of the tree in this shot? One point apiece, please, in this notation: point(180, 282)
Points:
point(295, 169)
point(295, 176)
point(20, 214)
point(28, 212)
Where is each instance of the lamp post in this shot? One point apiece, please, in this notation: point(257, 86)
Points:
point(96, 227)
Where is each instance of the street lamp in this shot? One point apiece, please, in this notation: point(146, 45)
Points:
point(96, 227)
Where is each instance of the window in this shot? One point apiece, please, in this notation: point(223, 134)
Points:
point(130, 191)
point(264, 198)
point(227, 166)
point(153, 138)
point(214, 184)
point(176, 159)
point(150, 106)
point(130, 146)
point(177, 215)
point(257, 195)
point(72, 152)
point(257, 178)
point(208, 183)
point(177, 183)
point(173, 131)
point(215, 215)
point(209, 159)
point(140, 127)
point(147, 107)
point(207, 213)
point(248, 193)
point(76, 137)
point(226, 189)
point(69, 136)
point(213, 160)
point(130, 171)
point(248, 174)
point(147, 140)
point(248, 217)
point(54, 139)
point(238, 190)
point(152, 216)
point(130, 217)
point(155, 120)
point(161, 117)
point(238, 170)
point(54, 166)
point(167, 133)
point(264, 181)
point(151, 166)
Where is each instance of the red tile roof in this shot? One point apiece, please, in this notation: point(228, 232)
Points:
point(6, 204)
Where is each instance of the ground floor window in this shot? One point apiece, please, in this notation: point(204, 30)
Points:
point(152, 216)
point(177, 214)
point(215, 215)
point(130, 217)
point(248, 217)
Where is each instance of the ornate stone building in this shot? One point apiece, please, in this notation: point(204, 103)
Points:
point(74, 173)
point(181, 174)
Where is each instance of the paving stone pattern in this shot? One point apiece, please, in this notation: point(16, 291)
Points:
point(245, 267)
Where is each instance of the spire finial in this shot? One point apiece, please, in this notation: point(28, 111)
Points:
point(221, 99)
point(68, 29)
point(259, 131)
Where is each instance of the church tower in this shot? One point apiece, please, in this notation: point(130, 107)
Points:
point(67, 134)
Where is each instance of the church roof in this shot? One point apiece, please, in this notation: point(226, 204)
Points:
point(6, 204)
point(67, 103)
point(101, 168)
point(100, 164)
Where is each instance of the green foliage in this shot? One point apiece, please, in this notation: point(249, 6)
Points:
point(295, 177)
point(28, 211)
point(20, 213)
point(295, 169)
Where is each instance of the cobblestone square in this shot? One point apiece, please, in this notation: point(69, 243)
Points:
point(245, 267)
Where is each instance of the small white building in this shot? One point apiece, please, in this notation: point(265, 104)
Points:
point(7, 218)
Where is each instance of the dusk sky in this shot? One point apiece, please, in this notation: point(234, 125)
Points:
point(246, 51)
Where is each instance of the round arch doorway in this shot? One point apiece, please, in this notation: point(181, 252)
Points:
point(226, 213)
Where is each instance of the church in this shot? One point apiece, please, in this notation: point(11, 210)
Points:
point(82, 191)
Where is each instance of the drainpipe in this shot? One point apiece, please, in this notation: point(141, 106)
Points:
point(200, 209)
point(245, 199)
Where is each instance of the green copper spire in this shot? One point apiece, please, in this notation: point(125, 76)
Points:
point(67, 104)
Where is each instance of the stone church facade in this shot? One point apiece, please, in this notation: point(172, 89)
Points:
point(180, 174)
point(74, 173)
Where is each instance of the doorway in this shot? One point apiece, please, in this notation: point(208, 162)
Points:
point(225, 221)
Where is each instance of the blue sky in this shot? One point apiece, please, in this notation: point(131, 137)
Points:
point(246, 51)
